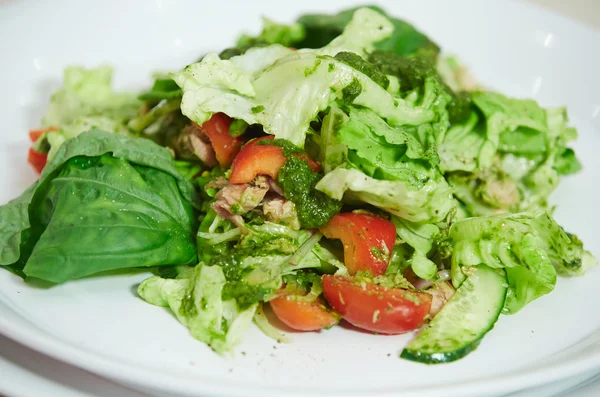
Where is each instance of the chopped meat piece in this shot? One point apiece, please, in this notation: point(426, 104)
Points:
point(441, 293)
point(217, 183)
point(282, 211)
point(198, 143)
point(236, 199)
point(274, 186)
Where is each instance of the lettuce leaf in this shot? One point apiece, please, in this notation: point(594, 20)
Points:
point(104, 202)
point(510, 158)
point(467, 147)
point(197, 303)
point(531, 246)
point(266, 83)
point(275, 33)
point(85, 102)
point(218, 299)
point(321, 29)
point(393, 167)
point(421, 237)
point(88, 92)
point(429, 201)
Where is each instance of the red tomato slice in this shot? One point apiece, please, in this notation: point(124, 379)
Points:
point(255, 159)
point(368, 240)
point(37, 160)
point(34, 135)
point(302, 315)
point(226, 147)
point(375, 308)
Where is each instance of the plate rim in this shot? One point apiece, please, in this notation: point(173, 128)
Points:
point(128, 374)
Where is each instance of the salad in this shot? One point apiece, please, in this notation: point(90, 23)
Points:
point(339, 168)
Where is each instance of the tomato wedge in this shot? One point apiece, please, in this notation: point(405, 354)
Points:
point(226, 147)
point(37, 160)
point(375, 308)
point(34, 135)
point(368, 240)
point(303, 315)
point(260, 159)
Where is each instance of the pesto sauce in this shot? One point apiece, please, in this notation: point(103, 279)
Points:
point(237, 127)
point(288, 147)
point(351, 91)
point(460, 107)
point(244, 294)
point(412, 71)
point(356, 62)
point(298, 182)
point(312, 69)
point(236, 287)
point(188, 307)
point(229, 53)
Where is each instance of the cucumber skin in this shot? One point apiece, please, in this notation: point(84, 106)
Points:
point(441, 358)
point(448, 357)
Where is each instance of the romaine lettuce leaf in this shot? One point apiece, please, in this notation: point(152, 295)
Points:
point(421, 237)
point(512, 159)
point(321, 29)
point(467, 147)
point(51, 141)
point(266, 83)
point(275, 33)
point(198, 304)
point(359, 36)
point(429, 201)
point(507, 114)
point(88, 92)
point(103, 202)
point(531, 246)
point(163, 88)
point(392, 167)
point(85, 102)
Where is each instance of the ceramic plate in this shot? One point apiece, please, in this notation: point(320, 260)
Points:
point(98, 323)
point(26, 373)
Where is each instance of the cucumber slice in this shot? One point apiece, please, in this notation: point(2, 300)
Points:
point(461, 324)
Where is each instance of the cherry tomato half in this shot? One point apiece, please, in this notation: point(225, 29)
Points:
point(261, 159)
point(375, 308)
point(368, 240)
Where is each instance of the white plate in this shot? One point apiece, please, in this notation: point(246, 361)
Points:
point(99, 325)
point(26, 373)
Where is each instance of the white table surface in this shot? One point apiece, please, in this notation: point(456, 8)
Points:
point(25, 373)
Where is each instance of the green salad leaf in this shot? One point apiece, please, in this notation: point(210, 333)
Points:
point(163, 88)
point(530, 246)
point(467, 146)
point(265, 83)
point(197, 303)
point(219, 297)
point(508, 156)
point(321, 29)
point(104, 202)
point(85, 102)
point(426, 202)
point(88, 92)
point(275, 33)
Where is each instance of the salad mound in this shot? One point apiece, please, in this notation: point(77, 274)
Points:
point(337, 168)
